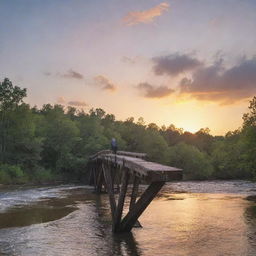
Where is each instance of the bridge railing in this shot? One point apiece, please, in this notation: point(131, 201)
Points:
point(121, 153)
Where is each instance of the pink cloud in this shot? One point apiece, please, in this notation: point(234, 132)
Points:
point(147, 16)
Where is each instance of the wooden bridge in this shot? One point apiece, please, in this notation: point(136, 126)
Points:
point(112, 173)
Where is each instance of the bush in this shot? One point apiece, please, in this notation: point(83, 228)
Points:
point(12, 174)
point(195, 164)
point(4, 177)
point(42, 175)
point(231, 159)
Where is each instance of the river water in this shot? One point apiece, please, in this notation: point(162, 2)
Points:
point(187, 218)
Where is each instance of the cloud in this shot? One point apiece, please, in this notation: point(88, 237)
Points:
point(220, 84)
point(149, 91)
point(69, 74)
point(147, 16)
point(128, 60)
point(174, 64)
point(217, 22)
point(77, 103)
point(72, 74)
point(104, 83)
point(61, 100)
point(47, 73)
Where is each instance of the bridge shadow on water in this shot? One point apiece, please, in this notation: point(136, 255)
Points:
point(250, 219)
point(124, 244)
point(121, 244)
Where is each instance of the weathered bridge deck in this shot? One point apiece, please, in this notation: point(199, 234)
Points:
point(108, 170)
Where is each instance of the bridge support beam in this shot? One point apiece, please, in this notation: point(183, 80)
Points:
point(121, 199)
point(108, 170)
point(135, 189)
point(134, 213)
point(110, 189)
point(103, 174)
point(99, 181)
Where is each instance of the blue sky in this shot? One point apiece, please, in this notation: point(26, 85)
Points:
point(45, 44)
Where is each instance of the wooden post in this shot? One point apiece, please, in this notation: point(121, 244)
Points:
point(103, 172)
point(130, 219)
point(134, 195)
point(89, 166)
point(109, 185)
point(99, 180)
point(113, 173)
point(94, 177)
point(121, 199)
point(117, 178)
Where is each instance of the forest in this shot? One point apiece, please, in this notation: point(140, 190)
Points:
point(53, 143)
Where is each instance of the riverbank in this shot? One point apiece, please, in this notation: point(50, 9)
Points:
point(65, 182)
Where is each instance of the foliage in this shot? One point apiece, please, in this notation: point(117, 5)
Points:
point(229, 158)
point(10, 174)
point(10, 96)
point(249, 133)
point(42, 175)
point(54, 143)
point(195, 164)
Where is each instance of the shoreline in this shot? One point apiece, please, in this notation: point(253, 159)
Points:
point(52, 183)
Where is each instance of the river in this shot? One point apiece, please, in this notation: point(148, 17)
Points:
point(187, 218)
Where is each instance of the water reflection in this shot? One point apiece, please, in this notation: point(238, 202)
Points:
point(116, 244)
point(125, 244)
point(250, 218)
point(177, 224)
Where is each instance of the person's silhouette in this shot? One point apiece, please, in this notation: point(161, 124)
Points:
point(114, 145)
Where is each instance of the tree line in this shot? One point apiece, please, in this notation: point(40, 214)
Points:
point(53, 143)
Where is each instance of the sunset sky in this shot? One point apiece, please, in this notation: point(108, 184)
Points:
point(191, 63)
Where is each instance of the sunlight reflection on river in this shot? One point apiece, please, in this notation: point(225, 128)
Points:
point(176, 223)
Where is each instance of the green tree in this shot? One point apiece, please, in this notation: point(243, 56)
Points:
point(23, 146)
point(60, 135)
point(10, 97)
point(229, 157)
point(250, 117)
point(172, 134)
point(249, 132)
point(195, 164)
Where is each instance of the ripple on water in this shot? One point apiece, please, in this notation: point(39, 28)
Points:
point(199, 222)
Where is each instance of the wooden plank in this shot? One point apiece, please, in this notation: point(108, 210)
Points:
point(130, 219)
point(144, 165)
point(148, 171)
point(135, 189)
point(112, 169)
point(100, 153)
point(94, 176)
point(123, 153)
point(89, 167)
point(105, 170)
point(120, 206)
point(117, 180)
point(134, 194)
point(99, 180)
point(110, 190)
point(132, 154)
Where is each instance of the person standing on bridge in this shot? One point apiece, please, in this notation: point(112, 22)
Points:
point(114, 145)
